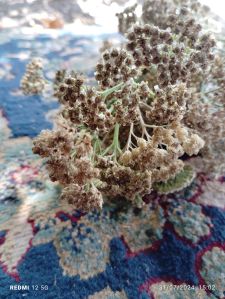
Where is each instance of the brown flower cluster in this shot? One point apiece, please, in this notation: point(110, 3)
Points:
point(161, 154)
point(200, 67)
point(210, 125)
point(206, 114)
point(168, 105)
point(128, 99)
point(82, 197)
point(69, 162)
point(83, 105)
point(101, 110)
point(174, 58)
point(116, 66)
point(156, 11)
point(55, 146)
point(118, 180)
point(129, 134)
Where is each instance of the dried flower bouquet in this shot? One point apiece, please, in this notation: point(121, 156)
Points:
point(129, 134)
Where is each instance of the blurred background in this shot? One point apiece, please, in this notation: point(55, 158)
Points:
point(79, 16)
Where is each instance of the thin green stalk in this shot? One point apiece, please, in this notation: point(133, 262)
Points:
point(213, 90)
point(96, 148)
point(128, 144)
point(115, 146)
point(107, 92)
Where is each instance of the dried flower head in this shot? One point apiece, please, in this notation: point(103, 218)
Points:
point(84, 198)
point(115, 66)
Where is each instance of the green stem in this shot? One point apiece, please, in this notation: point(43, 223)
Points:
point(107, 92)
point(116, 135)
point(107, 149)
point(96, 148)
point(111, 102)
point(213, 90)
point(116, 141)
point(87, 187)
point(73, 154)
point(128, 144)
point(143, 125)
point(115, 146)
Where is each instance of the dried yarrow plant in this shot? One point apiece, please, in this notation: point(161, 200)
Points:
point(150, 109)
point(205, 109)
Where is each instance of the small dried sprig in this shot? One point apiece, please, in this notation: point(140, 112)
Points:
point(33, 81)
point(59, 78)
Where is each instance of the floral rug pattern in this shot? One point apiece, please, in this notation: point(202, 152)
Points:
point(174, 248)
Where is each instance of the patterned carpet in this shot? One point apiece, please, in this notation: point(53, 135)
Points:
point(173, 249)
